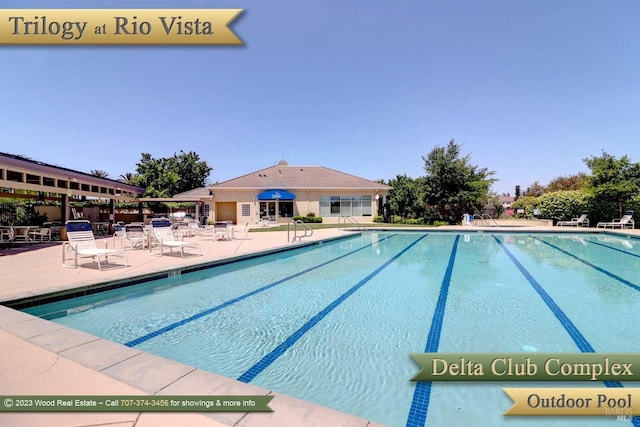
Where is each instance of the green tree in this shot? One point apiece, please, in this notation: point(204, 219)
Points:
point(452, 184)
point(127, 178)
point(405, 198)
point(534, 190)
point(166, 177)
point(568, 183)
point(193, 172)
point(613, 183)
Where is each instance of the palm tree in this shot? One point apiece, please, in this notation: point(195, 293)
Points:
point(127, 178)
point(99, 173)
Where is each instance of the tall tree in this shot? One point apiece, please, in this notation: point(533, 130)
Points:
point(568, 183)
point(613, 181)
point(127, 178)
point(453, 185)
point(99, 173)
point(166, 177)
point(193, 172)
point(405, 198)
point(535, 190)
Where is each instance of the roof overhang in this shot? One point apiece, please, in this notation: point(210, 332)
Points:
point(276, 195)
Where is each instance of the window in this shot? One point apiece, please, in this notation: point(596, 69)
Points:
point(285, 209)
point(366, 205)
point(206, 209)
point(49, 182)
point(345, 205)
point(246, 209)
point(356, 206)
point(14, 176)
point(33, 179)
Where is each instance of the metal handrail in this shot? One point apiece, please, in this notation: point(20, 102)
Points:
point(353, 221)
point(298, 224)
point(484, 220)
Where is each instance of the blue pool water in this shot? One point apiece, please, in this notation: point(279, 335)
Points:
point(334, 323)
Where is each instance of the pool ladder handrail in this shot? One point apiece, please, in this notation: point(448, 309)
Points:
point(298, 224)
point(354, 223)
point(484, 220)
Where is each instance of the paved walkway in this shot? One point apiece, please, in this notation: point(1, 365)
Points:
point(38, 357)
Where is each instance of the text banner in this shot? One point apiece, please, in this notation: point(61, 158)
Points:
point(617, 402)
point(527, 366)
point(118, 26)
point(135, 403)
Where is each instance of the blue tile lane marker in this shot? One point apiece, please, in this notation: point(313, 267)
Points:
point(420, 403)
point(197, 316)
point(271, 357)
point(612, 248)
point(601, 270)
point(573, 331)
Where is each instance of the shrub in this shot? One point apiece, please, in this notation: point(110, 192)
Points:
point(414, 221)
point(563, 205)
point(528, 204)
point(440, 223)
point(378, 219)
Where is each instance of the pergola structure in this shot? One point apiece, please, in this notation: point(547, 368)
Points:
point(19, 173)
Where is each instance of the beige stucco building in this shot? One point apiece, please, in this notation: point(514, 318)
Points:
point(280, 192)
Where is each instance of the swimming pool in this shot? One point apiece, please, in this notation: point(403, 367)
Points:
point(334, 323)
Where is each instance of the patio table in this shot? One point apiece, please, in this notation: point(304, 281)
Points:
point(21, 233)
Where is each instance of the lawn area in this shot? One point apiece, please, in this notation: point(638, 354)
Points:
point(283, 227)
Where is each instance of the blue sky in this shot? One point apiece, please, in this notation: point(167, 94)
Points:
point(529, 88)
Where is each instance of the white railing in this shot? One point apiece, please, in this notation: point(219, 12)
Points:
point(353, 222)
point(484, 220)
point(298, 226)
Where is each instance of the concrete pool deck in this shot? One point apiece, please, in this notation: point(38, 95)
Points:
point(39, 357)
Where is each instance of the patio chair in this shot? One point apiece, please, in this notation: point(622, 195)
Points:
point(40, 234)
point(583, 221)
point(134, 236)
point(83, 245)
point(6, 234)
point(164, 237)
point(625, 222)
point(241, 232)
point(222, 231)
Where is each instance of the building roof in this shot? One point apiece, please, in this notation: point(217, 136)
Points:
point(27, 174)
point(285, 176)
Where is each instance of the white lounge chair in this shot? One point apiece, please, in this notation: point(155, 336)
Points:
point(625, 222)
point(134, 236)
point(241, 233)
point(583, 221)
point(164, 237)
point(83, 245)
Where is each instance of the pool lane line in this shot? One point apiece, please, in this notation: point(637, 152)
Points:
point(566, 323)
point(274, 354)
point(585, 262)
point(218, 307)
point(612, 248)
point(420, 403)
point(573, 331)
